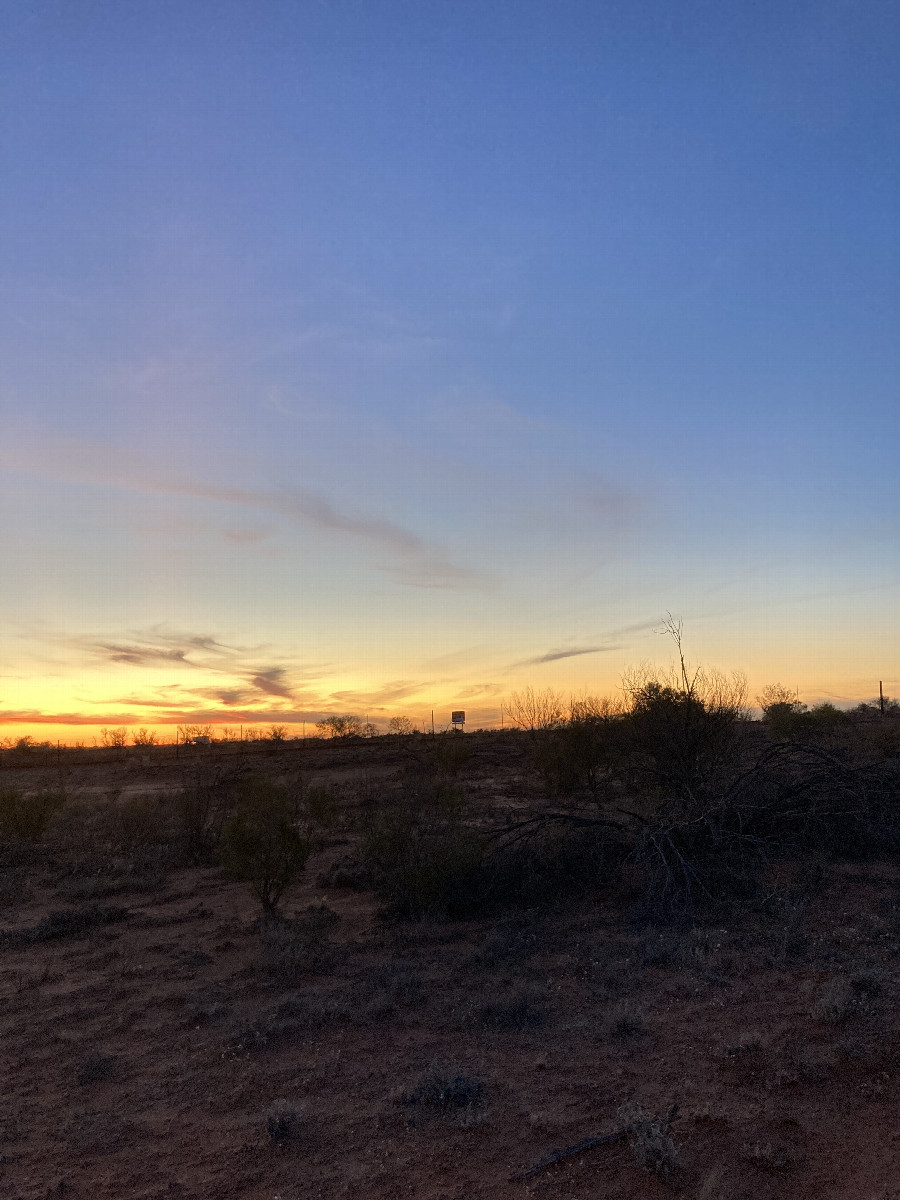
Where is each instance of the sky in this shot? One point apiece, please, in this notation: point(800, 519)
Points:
point(388, 357)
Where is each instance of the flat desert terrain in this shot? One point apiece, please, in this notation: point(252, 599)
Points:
point(163, 1038)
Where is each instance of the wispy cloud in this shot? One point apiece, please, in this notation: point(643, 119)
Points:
point(389, 693)
point(413, 559)
point(250, 671)
point(564, 652)
point(272, 682)
point(33, 716)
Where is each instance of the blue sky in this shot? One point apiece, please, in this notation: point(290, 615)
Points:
point(414, 352)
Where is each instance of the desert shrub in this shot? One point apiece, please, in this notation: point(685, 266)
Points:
point(423, 869)
point(95, 1067)
point(831, 1000)
point(782, 710)
point(66, 923)
point(320, 807)
point(201, 809)
point(420, 853)
point(626, 1023)
point(25, 816)
point(446, 1091)
point(681, 747)
point(533, 710)
point(519, 1008)
point(654, 1150)
point(447, 753)
point(139, 822)
point(282, 1121)
point(261, 845)
point(298, 946)
point(545, 862)
point(580, 755)
point(380, 990)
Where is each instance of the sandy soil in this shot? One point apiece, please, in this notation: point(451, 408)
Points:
point(168, 1054)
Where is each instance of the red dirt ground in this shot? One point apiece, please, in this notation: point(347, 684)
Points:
point(144, 1058)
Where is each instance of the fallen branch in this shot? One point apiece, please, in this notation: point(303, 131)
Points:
point(559, 1155)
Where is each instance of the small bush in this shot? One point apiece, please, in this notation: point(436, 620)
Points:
point(25, 817)
point(298, 946)
point(626, 1023)
point(139, 822)
point(447, 1092)
point(260, 845)
point(282, 1122)
point(519, 1009)
point(382, 989)
point(832, 1000)
point(320, 806)
point(95, 1068)
point(448, 753)
point(420, 854)
point(201, 810)
point(651, 1145)
point(66, 923)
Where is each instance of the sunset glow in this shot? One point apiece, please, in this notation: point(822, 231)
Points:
point(384, 359)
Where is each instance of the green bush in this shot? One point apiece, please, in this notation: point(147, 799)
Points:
point(261, 846)
point(25, 817)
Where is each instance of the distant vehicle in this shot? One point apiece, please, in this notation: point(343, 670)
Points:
point(202, 740)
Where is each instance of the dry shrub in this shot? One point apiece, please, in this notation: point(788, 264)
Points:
point(95, 1068)
point(654, 1150)
point(96, 1132)
point(446, 1091)
point(626, 1022)
point(282, 1121)
point(521, 1009)
point(715, 1185)
point(831, 1000)
point(25, 816)
point(201, 809)
point(381, 989)
point(67, 923)
point(261, 846)
point(421, 855)
point(298, 946)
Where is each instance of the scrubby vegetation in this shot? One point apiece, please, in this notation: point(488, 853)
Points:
point(620, 906)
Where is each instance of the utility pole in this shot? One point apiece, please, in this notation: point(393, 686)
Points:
point(881, 696)
point(432, 722)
